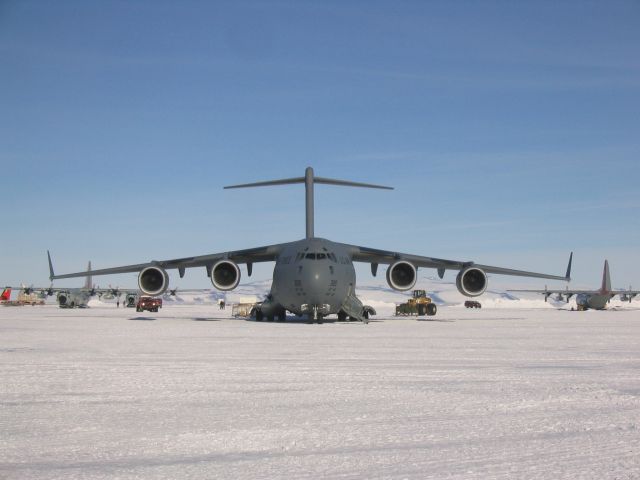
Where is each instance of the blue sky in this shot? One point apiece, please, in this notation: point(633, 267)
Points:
point(510, 131)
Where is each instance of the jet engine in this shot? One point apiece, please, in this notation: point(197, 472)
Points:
point(225, 275)
point(153, 281)
point(471, 281)
point(402, 275)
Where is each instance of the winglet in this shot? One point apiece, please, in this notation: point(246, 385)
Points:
point(51, 274)
point(567, 277)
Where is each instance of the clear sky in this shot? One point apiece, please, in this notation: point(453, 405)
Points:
point(510, 130)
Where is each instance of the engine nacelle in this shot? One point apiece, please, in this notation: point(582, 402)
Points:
point(62, 298)
point(225, 275)
point(402, 275)
point(471, 281)
point(153, 281)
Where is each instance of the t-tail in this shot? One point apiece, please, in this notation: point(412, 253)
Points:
point(6, 295)
point(606, 278)
point(309, 180)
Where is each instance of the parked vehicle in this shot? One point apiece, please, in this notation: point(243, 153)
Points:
point(472, 304)
point(151, 304)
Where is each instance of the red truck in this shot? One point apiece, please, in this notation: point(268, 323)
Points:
point(148, 303)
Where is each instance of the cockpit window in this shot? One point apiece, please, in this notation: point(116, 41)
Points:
point(317, 256)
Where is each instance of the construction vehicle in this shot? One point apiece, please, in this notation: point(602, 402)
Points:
point(420, 304)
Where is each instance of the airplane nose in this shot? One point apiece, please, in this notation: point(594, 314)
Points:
point(315, 282)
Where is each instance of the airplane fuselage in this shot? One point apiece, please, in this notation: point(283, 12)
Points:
point(72, 298)
point(595, 301)
point(313, 276)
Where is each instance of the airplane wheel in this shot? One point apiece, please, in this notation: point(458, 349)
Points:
point(342, 316)
point(259, 316)
point(365, 314)
point(282, 316)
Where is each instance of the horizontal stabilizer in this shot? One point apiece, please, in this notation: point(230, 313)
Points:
point(323, 180)
point(270, 183)
point(345, 183)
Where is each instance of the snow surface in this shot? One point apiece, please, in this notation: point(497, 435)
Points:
point(190, 392)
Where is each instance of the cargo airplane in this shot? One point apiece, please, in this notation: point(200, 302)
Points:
point(67, 297)
point(313, 276)
point(586, 299)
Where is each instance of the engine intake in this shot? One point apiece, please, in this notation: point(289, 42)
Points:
point(402, 275)
point(471, 281)
point(225, 275)
point(153, 281)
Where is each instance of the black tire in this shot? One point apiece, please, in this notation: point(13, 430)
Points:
point(342, 316)
point(259, 316)
point(422, 309)
point(365, 314)
point(431, 309)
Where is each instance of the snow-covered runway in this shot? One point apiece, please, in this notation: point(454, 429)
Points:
point(191, 393)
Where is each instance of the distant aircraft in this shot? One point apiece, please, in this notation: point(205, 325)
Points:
point(79, 297)
point(74, 297)
point(586, 299)
point(313, 276)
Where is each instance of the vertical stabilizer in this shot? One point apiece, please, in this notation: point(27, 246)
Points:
point(606, 278)
point(309, 181)
point(88, 284)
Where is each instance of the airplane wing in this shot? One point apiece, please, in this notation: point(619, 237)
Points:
point(558, 291)
point(173, 292)
point(249, 256)
point(51, 290)
point(375, 257)
point(626, 294)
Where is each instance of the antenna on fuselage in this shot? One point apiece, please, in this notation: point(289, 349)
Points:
point(309, 179)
